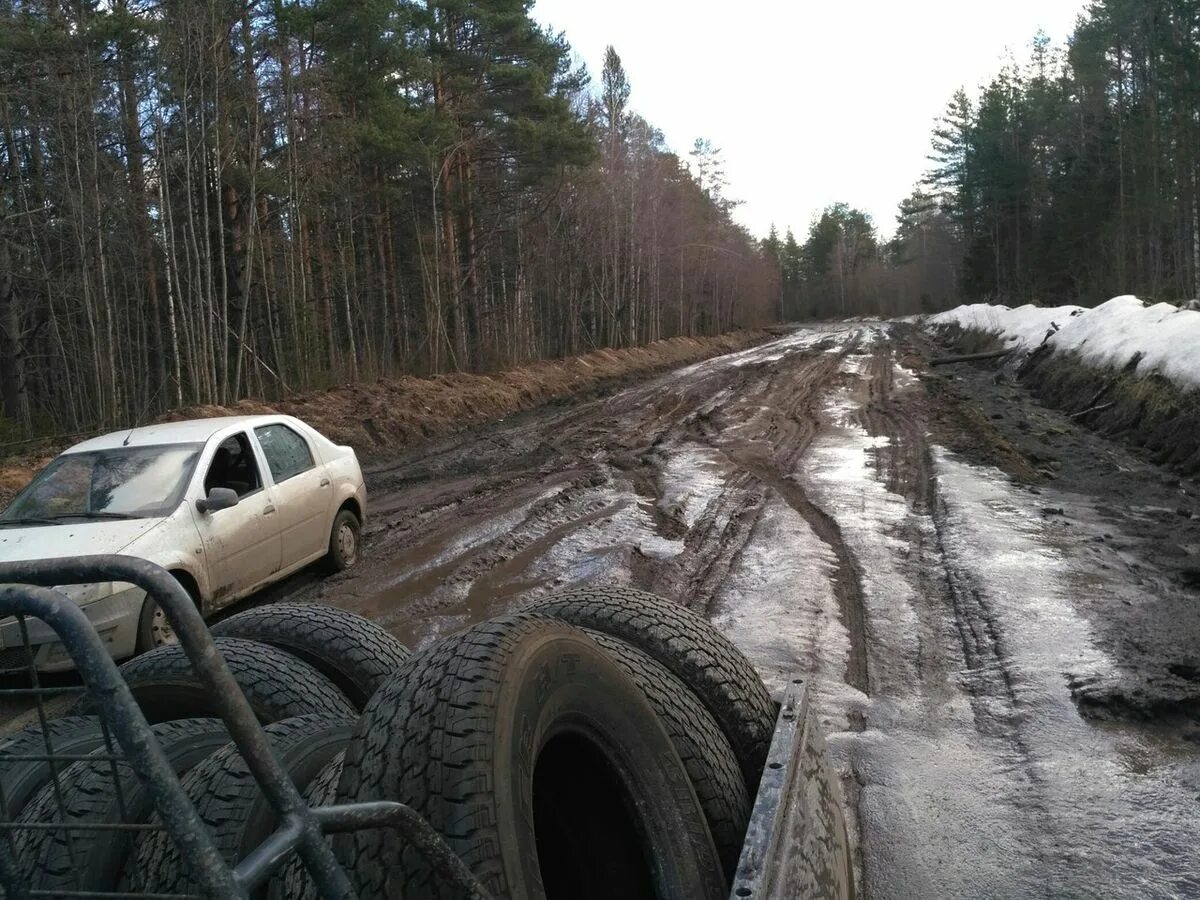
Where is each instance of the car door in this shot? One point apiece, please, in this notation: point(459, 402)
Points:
point(303, 492)
point(242, 543)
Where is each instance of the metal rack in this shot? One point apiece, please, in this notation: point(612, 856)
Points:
point(127, 737)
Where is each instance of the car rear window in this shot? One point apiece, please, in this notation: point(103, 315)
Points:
point(287, 453)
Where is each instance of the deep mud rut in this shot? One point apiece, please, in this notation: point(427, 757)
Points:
point(793, 494)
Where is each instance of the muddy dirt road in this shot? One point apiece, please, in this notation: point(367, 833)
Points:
point(793, 494)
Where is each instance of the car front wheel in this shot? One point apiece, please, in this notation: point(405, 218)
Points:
point(153, 628)
point(344, 539)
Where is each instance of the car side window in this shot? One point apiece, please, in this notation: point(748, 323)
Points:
point(233, 466)
point(287, 453)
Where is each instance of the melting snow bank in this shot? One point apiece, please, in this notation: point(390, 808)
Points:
point(1123, 368)
point(1163, 338)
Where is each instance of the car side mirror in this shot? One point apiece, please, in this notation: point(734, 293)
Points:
point(218, 499)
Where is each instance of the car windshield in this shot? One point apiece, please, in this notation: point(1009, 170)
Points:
point(121, 483)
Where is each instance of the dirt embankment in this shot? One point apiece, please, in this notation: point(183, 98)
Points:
point(379, 417)
point(1147, 411)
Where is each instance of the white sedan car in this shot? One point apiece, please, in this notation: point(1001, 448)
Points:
point(227, 505)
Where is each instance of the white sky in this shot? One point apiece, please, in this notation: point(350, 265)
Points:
point(811, 102)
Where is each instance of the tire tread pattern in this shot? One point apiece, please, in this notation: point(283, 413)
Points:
point(447, 691)
point(21, 781)
point(294, 881)
point(354, 652)
point(92, 795)
point(277, 684)
point(700, 743)
point(224, 791)
point(695, 652)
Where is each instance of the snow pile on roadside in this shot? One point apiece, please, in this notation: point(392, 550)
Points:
point(1026, 326)
point(1109, 336)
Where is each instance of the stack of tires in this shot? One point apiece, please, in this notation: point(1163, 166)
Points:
point(601, 743)
point(307, 672)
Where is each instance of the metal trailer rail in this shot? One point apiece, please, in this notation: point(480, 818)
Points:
point(25, 593)
point(796, 845)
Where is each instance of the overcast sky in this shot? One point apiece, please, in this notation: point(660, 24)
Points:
point(811, 102)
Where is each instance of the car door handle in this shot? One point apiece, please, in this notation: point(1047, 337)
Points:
point(268, 510)
point(324, 482)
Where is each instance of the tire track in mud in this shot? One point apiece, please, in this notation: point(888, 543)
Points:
point(770, 445)
point(847, 577)
point(946, 591)
point(757, 412)
point(909, 468)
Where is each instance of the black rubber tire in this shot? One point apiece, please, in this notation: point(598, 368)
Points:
point(352, 652)
point(277, 684)
point(458, 735)
point(336, 560)
point(293, 882)
point(699, 655)
point(95, 860)
point(229, 801)
point(20, 781)
point(710, 762)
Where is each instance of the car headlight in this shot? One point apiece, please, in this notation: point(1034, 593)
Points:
point(83, 594)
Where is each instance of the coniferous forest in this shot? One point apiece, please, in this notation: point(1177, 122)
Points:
point(1071, 177)
point(213, 199)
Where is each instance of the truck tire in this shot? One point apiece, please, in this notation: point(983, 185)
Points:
point(20, 781)
point(294, 882)
point(352, 652)
point(277, 684)
point(229, 801)
point(95, 860)
point(700, 743)
point(699, 655)
point(535, 755)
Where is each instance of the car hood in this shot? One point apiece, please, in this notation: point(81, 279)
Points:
point(72, 539)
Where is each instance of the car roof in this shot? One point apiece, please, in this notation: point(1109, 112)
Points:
point(191, 431)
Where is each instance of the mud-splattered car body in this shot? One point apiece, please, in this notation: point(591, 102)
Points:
point(284, 485)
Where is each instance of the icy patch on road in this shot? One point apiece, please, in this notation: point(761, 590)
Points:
point(598, 548)
point(903, 377)
point(997, 535)
point(692, 478)
point(841, 477)
point(473, 538)
point(778, 607)
point(976, 774)
point(774, 351)
point(921, 768)
point(1109, 798)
